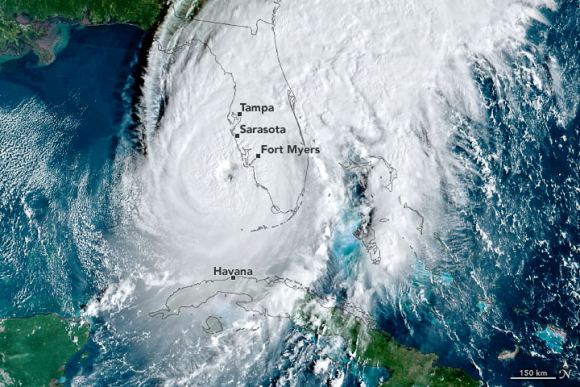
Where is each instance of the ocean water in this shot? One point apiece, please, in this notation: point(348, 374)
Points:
point(505, 278)
point(511, 268)
point(59, 126)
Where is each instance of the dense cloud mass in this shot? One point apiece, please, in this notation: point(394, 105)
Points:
point(372, 97)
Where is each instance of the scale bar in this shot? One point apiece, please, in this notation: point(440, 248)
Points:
point(533, 378)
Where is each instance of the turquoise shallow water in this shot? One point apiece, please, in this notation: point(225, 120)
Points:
point(507, 268)
point(553, 339)
point(59, 130)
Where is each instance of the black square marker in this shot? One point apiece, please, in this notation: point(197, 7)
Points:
point(237, 135)
point(257, 155)
point(233, 277)
point(239, 114)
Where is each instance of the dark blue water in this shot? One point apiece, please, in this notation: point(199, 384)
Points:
point(67, 115)
point(482, 298)
point(55, 209)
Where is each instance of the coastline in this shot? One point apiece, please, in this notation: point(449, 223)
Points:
point(82, 94)
point(38, 348)
point(42, 29)
point(56, 38)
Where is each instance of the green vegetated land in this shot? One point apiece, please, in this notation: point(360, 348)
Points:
point(34, 350)
point(11, 33)
point(409, 367)
point(140, 12)
point(406, 366)
point(32, 14)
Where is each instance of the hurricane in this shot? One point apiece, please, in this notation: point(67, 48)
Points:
point(413, 163)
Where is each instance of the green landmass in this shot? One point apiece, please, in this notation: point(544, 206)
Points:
point(140, 12)
point(408, 366)
point(370, 346)
point(34, 350)
point(11, 32)
point(24, 22)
